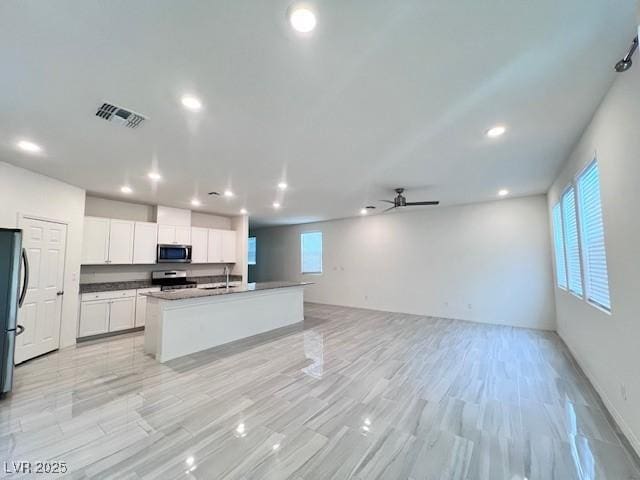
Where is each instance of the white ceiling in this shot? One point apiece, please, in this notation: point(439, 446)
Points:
point(382, 94)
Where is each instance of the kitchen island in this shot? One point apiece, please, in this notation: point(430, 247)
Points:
point(181, 322)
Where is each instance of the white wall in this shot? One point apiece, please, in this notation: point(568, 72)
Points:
point(486, 262)
point(27, 193)
point(125, 273)
point(608, 346)
point(104, 207)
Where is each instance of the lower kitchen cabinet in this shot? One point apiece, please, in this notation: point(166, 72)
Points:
point(107, 312)
point(122, 314)
point(94, 318)
point(141, 305)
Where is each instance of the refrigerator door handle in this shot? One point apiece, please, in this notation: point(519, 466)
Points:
point(19, 329)
point(25, 285)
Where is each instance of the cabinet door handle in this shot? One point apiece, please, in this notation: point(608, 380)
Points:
point(60, 293)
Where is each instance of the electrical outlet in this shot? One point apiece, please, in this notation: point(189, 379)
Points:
point(623, 391)
point(469, 306)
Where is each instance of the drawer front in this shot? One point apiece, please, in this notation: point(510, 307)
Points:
point(147, 290)
point(107, 295)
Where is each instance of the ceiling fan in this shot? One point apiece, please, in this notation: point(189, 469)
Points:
point(401, 201)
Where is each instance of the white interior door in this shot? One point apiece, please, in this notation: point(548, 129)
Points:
point(40, 315)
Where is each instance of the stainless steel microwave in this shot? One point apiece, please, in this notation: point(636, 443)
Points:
point(168, 253)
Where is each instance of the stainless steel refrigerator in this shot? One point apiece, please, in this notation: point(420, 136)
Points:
point(13, 288)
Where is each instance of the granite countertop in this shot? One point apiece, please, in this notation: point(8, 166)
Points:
point(188, 293)
point(136, 284)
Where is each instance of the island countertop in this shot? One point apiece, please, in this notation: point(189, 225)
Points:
point(189, 293)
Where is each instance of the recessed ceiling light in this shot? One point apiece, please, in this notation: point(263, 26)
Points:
point(191, 103)
point(282, 186)
point(126, 189)
point(243, 211)
point(228, 193)
point(496, 131)
point(155, 176)
point(195, 202)
point(363, 211)
point(503, 193)
point(276, 205)
point(302, 19)
point(29, 147)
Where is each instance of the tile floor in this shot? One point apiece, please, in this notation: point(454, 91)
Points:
point(353, 394)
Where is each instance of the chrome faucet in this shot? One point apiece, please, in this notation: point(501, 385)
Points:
point(226, 272)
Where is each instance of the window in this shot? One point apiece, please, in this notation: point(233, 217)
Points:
point(572, 247)
point(592, 237)
point(558, 241)
point(311, 250)
point(251, 249)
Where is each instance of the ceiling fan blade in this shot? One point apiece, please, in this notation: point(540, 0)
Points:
point(422, 203)
point(390, 208)
point(387, 201)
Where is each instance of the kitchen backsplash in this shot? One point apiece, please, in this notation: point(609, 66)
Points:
point(124, 273)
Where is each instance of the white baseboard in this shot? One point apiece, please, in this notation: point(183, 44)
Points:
point(619, 419)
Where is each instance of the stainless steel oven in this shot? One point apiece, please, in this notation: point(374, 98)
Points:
point(168, 253)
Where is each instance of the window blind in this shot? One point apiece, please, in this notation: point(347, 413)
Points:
point(251, 251)
point(572, 247)
point(311, 252)
point(558, 240)
point(592, 230)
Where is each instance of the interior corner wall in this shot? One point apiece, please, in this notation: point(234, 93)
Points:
point(27, 193)
point(487, 262)
point(607, 345)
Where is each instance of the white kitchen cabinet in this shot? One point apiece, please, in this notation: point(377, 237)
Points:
point(95, 241)
point(141, 305)
point(183, 235)
point(229, 246)
point(123, 313)
point(104, 312)
point(174, 235)
point(145, 243)
point(121, 234)
point(166, 234)
point(214, 250)
point(222, 246)
point(199, 245)
point(94, 318)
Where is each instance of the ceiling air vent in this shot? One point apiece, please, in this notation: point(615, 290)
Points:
point(120, 115)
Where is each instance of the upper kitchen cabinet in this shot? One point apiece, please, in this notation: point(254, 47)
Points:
point(183, 235)
point(174, 235)
point(118, 242)
point(95, 243)
point(145, 243)
point(121, 233)
point(222, 246)
point(199, 245)
point(229, 246)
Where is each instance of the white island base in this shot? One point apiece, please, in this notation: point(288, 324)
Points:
point(182, 323)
